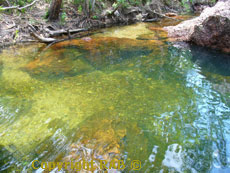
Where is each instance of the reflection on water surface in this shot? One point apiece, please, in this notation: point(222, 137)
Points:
point(127, 94)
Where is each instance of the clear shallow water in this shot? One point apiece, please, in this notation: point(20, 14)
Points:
point(127, 93)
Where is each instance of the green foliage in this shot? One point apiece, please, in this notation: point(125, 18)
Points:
point(95, 17)
point(63, 17)
point(213, 1)
point(185, 4)
point(46, 14)
point(17, 3)
point(123, 3)
point(135, 2)
point(21, 2)
point(79, 9)
point(77, 2)
point(23, 10)
point(114, 5)
point(16, 34)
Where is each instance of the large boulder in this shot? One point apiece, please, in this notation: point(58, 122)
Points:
point(210, 29)
point(214, 32)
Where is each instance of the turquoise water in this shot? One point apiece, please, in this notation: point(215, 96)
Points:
point(126, 94)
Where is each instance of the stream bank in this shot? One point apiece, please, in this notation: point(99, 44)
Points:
point(15, 26)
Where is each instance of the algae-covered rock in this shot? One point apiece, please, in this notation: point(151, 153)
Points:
point(76, 57)
point(58, 64)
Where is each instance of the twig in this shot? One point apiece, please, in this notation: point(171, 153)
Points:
point(32, 27)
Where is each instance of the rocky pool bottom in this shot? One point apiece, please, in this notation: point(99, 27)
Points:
point(127, 94)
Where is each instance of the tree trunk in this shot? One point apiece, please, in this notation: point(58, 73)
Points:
point(54, 11)
point(86, 8)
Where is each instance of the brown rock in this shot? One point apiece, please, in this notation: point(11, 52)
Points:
point(214, 32)
point(210, 29)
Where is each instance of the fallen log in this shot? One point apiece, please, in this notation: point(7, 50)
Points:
point(43, 39)
point(62, 31)
point(77, 33)
point(48, 41)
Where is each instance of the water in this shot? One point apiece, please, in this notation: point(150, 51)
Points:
point(127, 93)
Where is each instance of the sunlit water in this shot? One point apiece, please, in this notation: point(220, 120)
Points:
point(127, 93)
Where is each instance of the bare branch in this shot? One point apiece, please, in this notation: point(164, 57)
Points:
point(29, 5)
point(62, 31)
point(9, 8)
point(43, 39)
point(17, 7)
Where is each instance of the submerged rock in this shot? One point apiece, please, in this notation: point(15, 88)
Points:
point(210, 29)
point(76, 57)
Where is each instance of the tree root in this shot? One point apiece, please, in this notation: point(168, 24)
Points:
point(53, 34)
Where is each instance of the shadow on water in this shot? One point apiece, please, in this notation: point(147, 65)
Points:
point(215, 67)
point(211, 60)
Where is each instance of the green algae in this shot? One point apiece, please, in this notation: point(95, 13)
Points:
point(131, 31)
point(112, 95)
point(73, 99)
